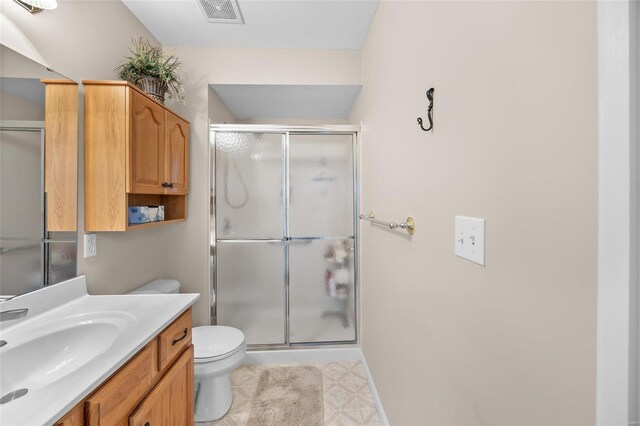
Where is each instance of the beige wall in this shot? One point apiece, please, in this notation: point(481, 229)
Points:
point(189, 261)
point(14, 64)
point(86, 40)
point(219, 112)
point(13, 107)
point(515, 142)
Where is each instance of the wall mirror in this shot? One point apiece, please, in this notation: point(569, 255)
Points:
point(38, 175)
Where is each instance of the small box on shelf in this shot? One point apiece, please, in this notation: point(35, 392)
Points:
point(145, 214)
point(175, 208)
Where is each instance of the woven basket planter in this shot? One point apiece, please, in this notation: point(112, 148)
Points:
point(153, 87)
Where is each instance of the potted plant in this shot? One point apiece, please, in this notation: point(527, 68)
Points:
point(153, 70)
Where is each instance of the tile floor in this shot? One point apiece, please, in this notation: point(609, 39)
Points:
point(346, 395)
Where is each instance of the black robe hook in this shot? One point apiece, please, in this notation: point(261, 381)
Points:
point(429, 111)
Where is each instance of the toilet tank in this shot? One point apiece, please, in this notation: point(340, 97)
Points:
point(161, 286)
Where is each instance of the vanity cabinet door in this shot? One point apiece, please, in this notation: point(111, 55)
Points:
point(146, 146)
point(176, 141)
point(112, 403)
point(171, 401)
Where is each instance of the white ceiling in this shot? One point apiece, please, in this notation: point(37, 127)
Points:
point(248, 101)
point(288, 24)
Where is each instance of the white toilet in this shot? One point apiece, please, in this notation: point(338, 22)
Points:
point(218, 350)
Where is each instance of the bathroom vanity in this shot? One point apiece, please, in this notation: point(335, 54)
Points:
point(154, 387)
point(97, 360)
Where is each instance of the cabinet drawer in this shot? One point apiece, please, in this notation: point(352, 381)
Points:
point(173, 340)
point(121, 394)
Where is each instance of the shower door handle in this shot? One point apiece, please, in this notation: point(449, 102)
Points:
point(291, 240)
point(250, 240)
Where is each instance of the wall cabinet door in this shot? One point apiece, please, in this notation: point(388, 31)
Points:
point(176, 155)
point(171, 401)
point(146, 146)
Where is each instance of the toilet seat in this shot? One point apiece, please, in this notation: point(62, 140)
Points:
point(216, 342)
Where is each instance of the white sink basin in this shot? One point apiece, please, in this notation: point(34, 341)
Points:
point(36, 359)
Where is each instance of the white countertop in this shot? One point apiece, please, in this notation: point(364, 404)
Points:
point(140, 318)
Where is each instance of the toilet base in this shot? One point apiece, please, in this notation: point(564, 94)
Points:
point(213, 398)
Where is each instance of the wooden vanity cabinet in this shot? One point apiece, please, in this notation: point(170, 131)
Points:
point(136, 153)
point(150, 388)
point(171, 401)
point(75, 417)
point(112, 403)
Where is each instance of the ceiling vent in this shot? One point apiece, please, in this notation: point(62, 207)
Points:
point(222, 11)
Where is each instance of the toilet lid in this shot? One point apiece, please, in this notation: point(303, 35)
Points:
point(216, 340)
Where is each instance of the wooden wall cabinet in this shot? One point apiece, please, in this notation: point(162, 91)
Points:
point(61, 154)
point(145, 390)
point(136, 153)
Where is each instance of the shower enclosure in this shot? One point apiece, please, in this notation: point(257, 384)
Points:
point(284, 232)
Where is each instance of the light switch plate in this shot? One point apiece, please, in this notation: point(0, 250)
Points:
point(470, 238)
point(90, 245)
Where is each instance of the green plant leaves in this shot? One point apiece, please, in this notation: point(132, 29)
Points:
point(151, 61)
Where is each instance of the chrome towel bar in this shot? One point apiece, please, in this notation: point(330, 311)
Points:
point(409, 225)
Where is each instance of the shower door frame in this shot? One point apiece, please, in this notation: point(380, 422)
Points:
point(286, 131)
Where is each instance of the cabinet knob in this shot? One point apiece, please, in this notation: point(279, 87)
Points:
point(167, 185)
point(147, 424)
point(170, 185)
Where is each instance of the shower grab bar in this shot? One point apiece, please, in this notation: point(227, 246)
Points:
point(409, 225)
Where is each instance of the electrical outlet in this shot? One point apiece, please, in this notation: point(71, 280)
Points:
point(90, 245)
point(470, 239)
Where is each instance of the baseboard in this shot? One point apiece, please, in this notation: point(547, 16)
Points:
point(299, 356)
point(374, 391)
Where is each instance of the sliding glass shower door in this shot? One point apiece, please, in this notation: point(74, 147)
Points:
point(321, 230)
point(250, 231)
point(284, 235)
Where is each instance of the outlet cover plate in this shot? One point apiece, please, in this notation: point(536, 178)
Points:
point(469, 241)
point(90, 245)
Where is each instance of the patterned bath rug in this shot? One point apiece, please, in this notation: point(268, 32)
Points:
point(288, 396)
